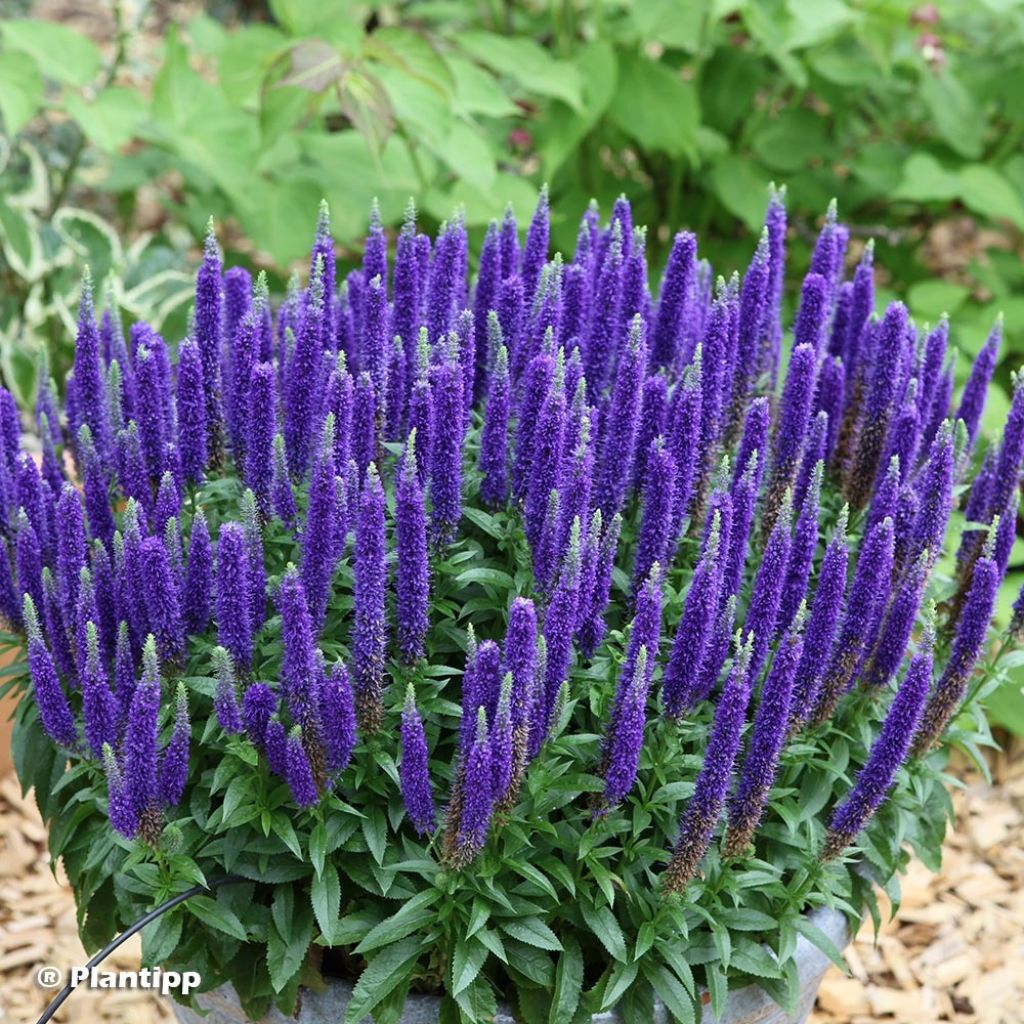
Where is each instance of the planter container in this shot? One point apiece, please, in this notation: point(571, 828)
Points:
point(744, 1006)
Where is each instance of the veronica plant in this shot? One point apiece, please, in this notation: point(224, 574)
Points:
point(541, 637)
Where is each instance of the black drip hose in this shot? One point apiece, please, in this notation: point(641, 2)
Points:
point(196, 890)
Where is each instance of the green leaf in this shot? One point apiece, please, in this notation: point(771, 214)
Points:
point(789, 141)
point(326, 897)
point(484, 574)
point(620, 979)
point(384, 973)
point(411, 917)
point(924, 179)
point(60, 53)
point(954, 112)
point(742, 188)
point(333, 20)
point(318, 846)
point(467, 153)
point(568, 984)
point(526, 62)
point(111, 119)
point(987, 192)
point(818, 938)
point(470, 956)
point(533, 931)
point(19, 237)
point(287, 944)
point(216, 915)
point(375, 831)
point(670, 991)
point(247, 56)
point(477, 91)
point(477, 1002)
point(930, 299)
point(601, 921)
point(655, 106)
point(671, 24)
point(160, 938)
point(21, 90)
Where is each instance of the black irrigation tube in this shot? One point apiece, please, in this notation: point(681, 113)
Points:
point(196, 890)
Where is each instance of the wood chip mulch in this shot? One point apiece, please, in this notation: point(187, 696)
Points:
point(956, 949)
point(954, 954)
point(38, 929)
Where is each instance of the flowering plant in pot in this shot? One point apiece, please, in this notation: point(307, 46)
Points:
point(548, 643)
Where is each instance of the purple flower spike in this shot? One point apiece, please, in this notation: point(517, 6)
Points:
point(752, 354)
point(559, 622)
point(653, 410)
point(898, 625)
point(414, 769)
point(830, 399)
point(50, 698)
point(826, 611)
point(369, 643)
point(299, 668)
point(478, 794)
point(446, 452)
point(590, 619)
point(755, 439)
point(494, 440)
point(767, 740)
point(209, 331)
point(535, 251)
point(122, 815)
point(298, 770)
point(888, 753)
point(258, 705)
point(968, 645)
point(190, 400)
point(90, 389)
point(338, 717)
point(972, 402)
point(520, 659)
point(791, 429)
point(812, 316)
point(174, 762)
point(881, 385)
point(696, 626)
point(712, 783)
point(684, 441)
point(282, 497)
point(1011, 450)
point(225, 700)
point(198, 577)
point(319, 547)
point(140, 738)
point(97, 497)
point(868, 594)
point(162, 600)
point(545, 455)
point(234, 602)
point(625, 732)
point(935, 493)
point(801, 553)
point(675, 287)
point(656, 520)
point(769, 582)
point(617, 451)
point(412, 569)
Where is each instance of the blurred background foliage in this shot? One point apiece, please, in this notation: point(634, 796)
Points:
point(126, 124)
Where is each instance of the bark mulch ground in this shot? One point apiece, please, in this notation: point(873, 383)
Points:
point(954, 954)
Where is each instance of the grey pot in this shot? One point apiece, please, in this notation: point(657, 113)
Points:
point(749, 1005)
